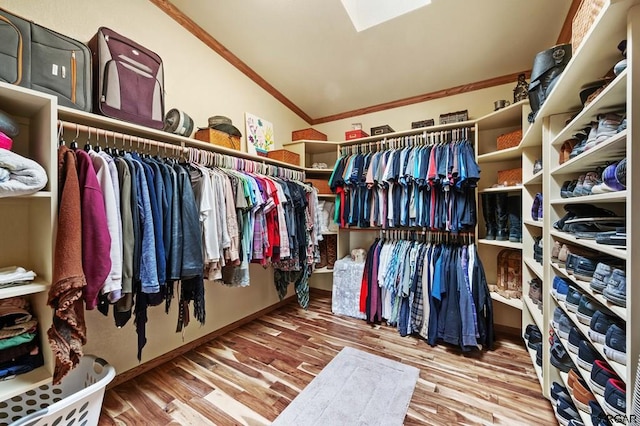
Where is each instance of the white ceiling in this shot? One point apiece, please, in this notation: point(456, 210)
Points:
point(310, 52)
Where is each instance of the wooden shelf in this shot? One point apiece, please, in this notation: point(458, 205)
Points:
point(620, 253)
point(612, 98)
point(23, 289)
point(24, 382)
point(613, 149)
point(430, 129)
point(586, 418)
point(315, 147)
point(504, 117)
point(532, 222)
point(324, 270)
point(514, 303)
point(501, 155)
point(516, 188)
point(534, 266)
point(505, 244)
point(534, 312)
point(39, 194)
point(586, 288)
point(311, 170)
point(618, 196)
point(535, 179)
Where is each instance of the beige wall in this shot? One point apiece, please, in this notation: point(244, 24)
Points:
point(478, 103)
point(197, 81)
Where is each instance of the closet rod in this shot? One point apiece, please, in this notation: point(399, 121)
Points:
point(210, 157)
point(123, 137)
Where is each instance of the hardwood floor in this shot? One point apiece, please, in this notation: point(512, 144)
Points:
point(249, 375)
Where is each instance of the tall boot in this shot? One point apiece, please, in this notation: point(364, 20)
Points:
point(489, 213)
point(332, 249)
point(502, 216)
point(322, 247)
point(514, 205)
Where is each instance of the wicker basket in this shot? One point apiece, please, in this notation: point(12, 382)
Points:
point(584, 18)
point(509, 140)
point(510, 177)
point(321, 184)
point(284, 156)
point(308, 134)
point(219, 138)
point(510, 273)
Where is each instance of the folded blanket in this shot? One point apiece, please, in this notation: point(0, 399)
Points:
point(25, 175)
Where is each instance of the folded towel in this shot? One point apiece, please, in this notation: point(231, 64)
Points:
point(14, 274)
point(25, 175)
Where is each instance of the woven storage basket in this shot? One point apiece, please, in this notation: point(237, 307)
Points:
point(219, 138)
point(321, 184)
point(510, 273)
point(285, 156)
point(583, 20)
point(308, 134)
point(509, 140)
point(510, 177)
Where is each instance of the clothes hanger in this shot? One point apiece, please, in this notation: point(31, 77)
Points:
point(74, 143)
point(61, 141)
point(87, 146)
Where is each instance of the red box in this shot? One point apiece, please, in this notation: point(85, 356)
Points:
point(354, 134)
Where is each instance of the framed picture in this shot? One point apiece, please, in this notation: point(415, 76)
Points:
point(259, 134)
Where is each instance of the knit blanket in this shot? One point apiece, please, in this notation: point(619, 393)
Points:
point(19, 175)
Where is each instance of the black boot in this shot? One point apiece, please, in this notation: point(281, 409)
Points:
point(489, 213)
point(502, 215)
point(514, 205)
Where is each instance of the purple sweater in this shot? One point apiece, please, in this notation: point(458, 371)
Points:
point(96, 241)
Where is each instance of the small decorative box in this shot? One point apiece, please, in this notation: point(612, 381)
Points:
point(285, 156)
point(354, 134)
point(308, 134)
point(381, 130)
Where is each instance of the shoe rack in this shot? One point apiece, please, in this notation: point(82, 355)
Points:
point(559, 118)
point(311, 153)
point(509, 312)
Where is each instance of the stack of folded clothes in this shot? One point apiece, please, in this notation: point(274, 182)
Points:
point(19, 175)
point(19, 343)
point(15, 275)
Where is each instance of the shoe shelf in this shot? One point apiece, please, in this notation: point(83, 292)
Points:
point(620, 369)
point(23, 289)
point(532, 222)
point(516, 188)
point(505, 244)
point(537, 368)
point(534, 266)
point(535, 179)
point(586, 288)
point(612, 149)
point(324, 270)
point(586, 418)
point(330, 233)
point(612, 98)
point(533, 311)
point(515, 303)
point(618, 196)
point(501, 155)
point(620, 253)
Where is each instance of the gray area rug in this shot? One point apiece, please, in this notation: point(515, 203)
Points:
point(355, 388)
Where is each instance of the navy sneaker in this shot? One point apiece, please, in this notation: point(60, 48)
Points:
point(615, 398)
point(616, 290)
point(601, 373)
point(538, 349)
point(566, 411)
point(586, 309)
point(535, 337)
point(587, 355)
point(557, 391)
point(575, 337)
point(573, 299)
point(600, 323)
point(598, 417)
point(527, 331)
point(560, 358)
point(615, 344)
point(558, 314)
point(584, 268)
point(575, 422)
point(564, 327)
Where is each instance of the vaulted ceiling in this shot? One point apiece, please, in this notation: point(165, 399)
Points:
point(309, 54)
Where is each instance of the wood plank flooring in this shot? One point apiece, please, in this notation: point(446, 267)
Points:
point(249, 375)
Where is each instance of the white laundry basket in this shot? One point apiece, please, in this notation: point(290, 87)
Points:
point(76, 401)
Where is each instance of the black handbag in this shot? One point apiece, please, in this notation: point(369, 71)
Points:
point(548, 65)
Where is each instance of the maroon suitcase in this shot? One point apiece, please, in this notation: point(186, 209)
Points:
point(128, 80)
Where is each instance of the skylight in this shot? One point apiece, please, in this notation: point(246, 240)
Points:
point(368, 13)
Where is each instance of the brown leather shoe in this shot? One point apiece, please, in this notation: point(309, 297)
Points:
point(572, 380)
point(582, 395)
